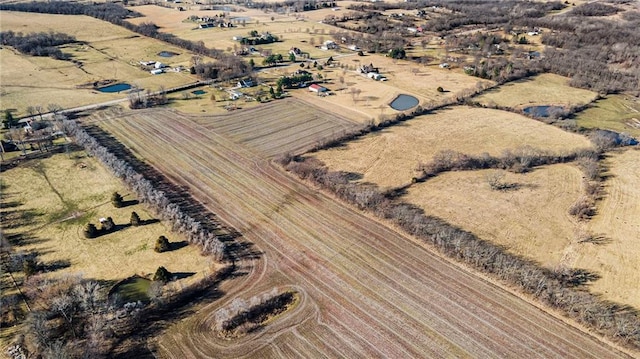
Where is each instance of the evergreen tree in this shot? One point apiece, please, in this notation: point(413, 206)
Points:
point(116, 200)
point(135, 219)
point(162, 244)
point(90, 231)
point(162, 275)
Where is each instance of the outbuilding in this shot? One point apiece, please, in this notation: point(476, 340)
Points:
point(317, 88)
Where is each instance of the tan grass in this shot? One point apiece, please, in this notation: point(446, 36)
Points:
point(532, 221)
point(390, 157)
point(84, 192)
point(109, 52)
point(544, 89)
point(617, 259)
point(619, 113)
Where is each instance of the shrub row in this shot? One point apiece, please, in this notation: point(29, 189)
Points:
point(557, 289)
point(179, 217)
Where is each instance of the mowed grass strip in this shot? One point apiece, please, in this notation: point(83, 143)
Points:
point(64, 194)
point(542, 90)
point(380, 293)
point(390, 157)
point(616, 254)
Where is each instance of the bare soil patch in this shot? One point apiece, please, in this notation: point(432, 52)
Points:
point(390, 157)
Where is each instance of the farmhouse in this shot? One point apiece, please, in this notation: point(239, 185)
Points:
point(317, 88)
point(329, 45)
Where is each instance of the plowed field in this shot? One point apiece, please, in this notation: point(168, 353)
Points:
point(367, 291)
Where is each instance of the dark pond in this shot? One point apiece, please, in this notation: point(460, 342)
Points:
point(404, 102)
point(541, 111)
point(199, 92)
point(115, 88)
point(167, 54)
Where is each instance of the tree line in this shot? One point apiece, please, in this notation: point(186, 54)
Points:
point(38, 44)
point(176, 213)
point(560, 289)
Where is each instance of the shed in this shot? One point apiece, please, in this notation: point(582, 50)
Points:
point(157, 71)
point(317, 88)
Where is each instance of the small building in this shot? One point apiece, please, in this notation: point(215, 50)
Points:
point(317, 88)
point(375, 76)
point(159, 65)
point(156, 71)
point(246, 83)
point(444, 65)
point(329, 45)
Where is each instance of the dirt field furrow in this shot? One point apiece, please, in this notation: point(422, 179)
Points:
point(376, 292)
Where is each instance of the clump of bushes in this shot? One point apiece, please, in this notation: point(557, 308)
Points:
point(162, 244)
point(440, 89)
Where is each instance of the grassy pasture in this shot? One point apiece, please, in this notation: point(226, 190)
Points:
point(59, 195)
point(544, 89)
point(619, 113)
point(617, 258)
point(531, 221)
point(390, 157)
point(109, 52)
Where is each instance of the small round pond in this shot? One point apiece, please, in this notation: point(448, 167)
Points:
point(132, 289)
point(167, 54)
point(404, 102)
point(115, 88)
point(541, 111)
point(199, 92)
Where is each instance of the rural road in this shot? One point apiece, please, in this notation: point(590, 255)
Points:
point(368, 290)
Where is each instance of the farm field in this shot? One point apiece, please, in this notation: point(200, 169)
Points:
point(619, 113)
point(531, 221)
point(617, 258)
point(55, 197)
point(389, 157)
point(544, 89)
point(109, 52)
point(280, 127)
point(367, 291)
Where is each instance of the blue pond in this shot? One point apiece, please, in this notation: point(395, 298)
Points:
point(404, 102)
point(115, 88)
point(199, 92)
point(541, 111)
point(166, 54)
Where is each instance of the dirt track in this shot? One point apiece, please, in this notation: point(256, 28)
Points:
point(367, 290)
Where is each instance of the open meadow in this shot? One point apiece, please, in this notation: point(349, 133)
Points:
point(389, 158)
point(620, 113)
point(540, 90)
point(366, 290)
point(51, 200)
point(530, 220)
point(105, 52)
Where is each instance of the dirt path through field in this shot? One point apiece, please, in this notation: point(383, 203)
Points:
point(368, 291)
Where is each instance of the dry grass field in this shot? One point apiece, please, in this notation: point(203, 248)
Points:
point(617, 259)
point(366, 290)
point(59, 195)
point(389, 158)
point(544, 89)
point(619, 113)
point(109, 52)
point(531, 220)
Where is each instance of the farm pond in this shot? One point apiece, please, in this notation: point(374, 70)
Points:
point(541, 111)
point(132, 289)
point(115, 88)
point(404, 102)
point(167, 54)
